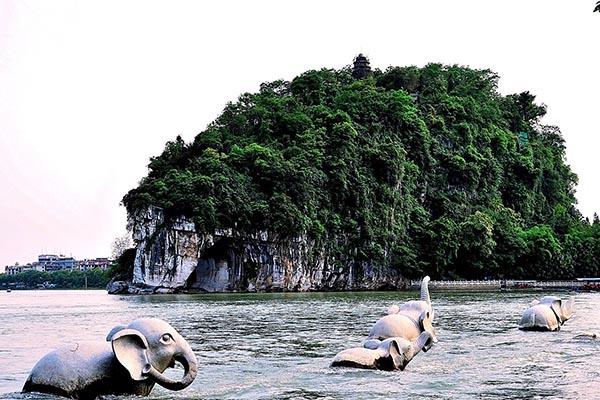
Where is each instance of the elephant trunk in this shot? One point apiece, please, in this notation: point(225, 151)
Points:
point(425, 290)
point(423, 342)
point(190, 365)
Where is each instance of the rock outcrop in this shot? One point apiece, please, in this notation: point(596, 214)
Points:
point(173, 255)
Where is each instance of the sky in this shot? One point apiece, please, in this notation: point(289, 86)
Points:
point(90, 90)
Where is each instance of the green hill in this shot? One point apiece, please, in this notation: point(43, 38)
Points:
point(426, 170)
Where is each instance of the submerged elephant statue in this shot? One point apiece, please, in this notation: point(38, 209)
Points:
point(588, 335)
point(388, 355)
point(130, 361)
point(548, 314)
point(407, 321)
point(396, 338)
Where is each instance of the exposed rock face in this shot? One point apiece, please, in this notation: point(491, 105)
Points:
point(174, 255)
point(165, 256)
point(117, 287)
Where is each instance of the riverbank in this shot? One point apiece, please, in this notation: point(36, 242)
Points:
point(63, 279)
point(123, 287)
point(509, 284)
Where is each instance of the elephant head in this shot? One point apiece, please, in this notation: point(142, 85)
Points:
point(562, 310)
point(147, 347)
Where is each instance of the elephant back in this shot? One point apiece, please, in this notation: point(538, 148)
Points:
point(414, 308)
point(395, 325)
point(549, 300)
point(539, 317)
point(68, 370)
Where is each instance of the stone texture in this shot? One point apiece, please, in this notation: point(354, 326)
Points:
point(163, 290)
point(117, 287)
point(165, 256)
point(172, 256)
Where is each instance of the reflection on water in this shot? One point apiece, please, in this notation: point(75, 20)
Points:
point(278, 346)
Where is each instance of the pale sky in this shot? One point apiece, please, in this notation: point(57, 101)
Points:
point(89, 91)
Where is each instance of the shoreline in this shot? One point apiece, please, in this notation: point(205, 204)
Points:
point(125, 288)
point(484, 286)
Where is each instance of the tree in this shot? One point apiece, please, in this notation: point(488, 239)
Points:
point(477, 246)
point(120, 244)
point(542, 254)
point(62, 279)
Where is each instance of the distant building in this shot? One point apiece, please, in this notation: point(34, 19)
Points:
point(102, 263)
point(52, 262)
point(361, 68)
point(17, 269)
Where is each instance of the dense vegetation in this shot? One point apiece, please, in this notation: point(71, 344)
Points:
point(428, 170)
point(63, 279)
point(122, 269)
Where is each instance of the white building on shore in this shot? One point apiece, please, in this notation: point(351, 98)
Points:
point(102, 263)
point(17, 269)
point(53, 262)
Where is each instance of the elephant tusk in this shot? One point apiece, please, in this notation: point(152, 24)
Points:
point(146, 369)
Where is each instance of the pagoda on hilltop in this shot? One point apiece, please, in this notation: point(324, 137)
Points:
point(361, 68)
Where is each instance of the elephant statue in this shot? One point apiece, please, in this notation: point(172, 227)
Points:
point(396, 338)
point(547, 314)
point(588, 335)
point(407, 321)
point(130, 361)
point(388, 355)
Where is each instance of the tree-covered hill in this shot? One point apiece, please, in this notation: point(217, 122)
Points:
point(428, 170)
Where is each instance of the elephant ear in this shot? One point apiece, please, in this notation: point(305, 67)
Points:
point(556, 307)
point(114, 330)
point(427, 326)
point(397, 357)
point(567, 308)
point(130, 346)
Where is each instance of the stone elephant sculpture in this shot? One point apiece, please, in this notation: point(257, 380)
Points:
point(407, 321)
point(396, 338)
point(130, 361)
point(588, 335)
point(547, 314)
point(389, 354)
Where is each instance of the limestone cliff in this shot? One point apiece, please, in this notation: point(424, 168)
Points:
point(173, 256)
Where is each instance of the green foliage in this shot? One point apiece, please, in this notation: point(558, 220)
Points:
point(542, 253)
point(427, 170)
point(62, 279)
point(582, 244)
point(123, 266)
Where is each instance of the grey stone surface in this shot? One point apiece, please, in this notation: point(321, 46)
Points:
point(117, 287)
point(547, 314)
point(173, 254)
point(389, 354)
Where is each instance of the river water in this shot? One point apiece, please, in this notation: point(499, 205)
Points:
point(279, 346)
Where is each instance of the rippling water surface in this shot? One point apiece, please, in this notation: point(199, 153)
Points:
point(279, 346)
